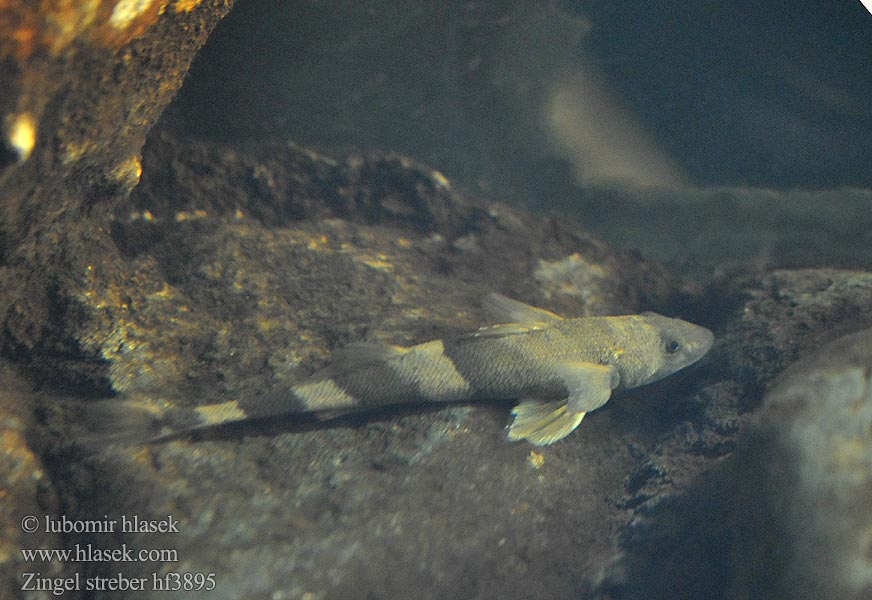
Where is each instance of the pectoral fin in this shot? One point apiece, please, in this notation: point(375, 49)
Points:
point(543, 423)
point(589, 385)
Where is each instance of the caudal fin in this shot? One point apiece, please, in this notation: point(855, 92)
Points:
point(132, 422)
point(122, 422)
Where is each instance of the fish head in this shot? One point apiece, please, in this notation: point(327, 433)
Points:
point(680, 344)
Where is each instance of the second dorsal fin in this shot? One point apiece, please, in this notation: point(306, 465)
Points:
point(358, 355)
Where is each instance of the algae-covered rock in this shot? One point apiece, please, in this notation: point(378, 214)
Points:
point(684, 537)
point(26, 490)
point(805, 481)
point(81, 84)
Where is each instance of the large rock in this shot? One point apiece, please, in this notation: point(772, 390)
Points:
point(805, 480)
point(709, 524)
point(81, 84)
point(27, 490)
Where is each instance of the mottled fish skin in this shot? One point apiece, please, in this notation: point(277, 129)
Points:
point(559, 368)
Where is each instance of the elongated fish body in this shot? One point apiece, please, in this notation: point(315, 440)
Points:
point(559, 368)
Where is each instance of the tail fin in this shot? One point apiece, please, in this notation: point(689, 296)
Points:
point(123, 422)
point(131, 422)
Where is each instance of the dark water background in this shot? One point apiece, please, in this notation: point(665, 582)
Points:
point(770, 94)
point(579, 108)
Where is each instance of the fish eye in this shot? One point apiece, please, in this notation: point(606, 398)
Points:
point(672, 346)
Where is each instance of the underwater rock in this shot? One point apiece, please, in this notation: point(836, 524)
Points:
point(805, 481)
point(701, 517)
point(26, 492)
point(81, 84)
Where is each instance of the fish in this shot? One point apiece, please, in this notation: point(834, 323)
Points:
point(558, 368)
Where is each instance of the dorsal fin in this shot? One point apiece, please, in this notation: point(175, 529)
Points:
point(506, 329)
point(358, 355)
point(505, 310)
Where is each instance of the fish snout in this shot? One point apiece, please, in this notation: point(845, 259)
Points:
point(703, 341)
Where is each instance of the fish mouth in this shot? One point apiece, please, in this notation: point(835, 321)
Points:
point(708, 340)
